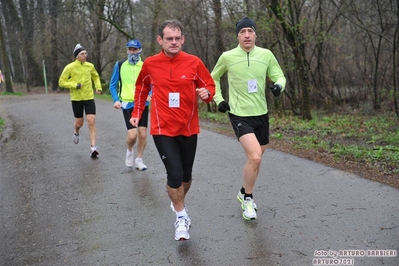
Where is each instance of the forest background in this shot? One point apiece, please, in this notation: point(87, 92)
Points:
point(340, 58)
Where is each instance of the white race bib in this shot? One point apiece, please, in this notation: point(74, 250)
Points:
point(174, 99)
point(252, 86)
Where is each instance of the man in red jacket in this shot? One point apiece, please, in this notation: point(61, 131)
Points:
point(176, 79)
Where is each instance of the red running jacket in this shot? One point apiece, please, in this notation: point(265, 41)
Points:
point(168, 77)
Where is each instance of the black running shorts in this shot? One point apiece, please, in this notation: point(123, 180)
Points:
point(89, 107)
point(259, 125)
point(143, 122)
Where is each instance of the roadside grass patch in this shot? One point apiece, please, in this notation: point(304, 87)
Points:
point(6, 93)
point(373, 140)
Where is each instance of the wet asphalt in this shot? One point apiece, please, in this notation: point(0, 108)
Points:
point(58, 206)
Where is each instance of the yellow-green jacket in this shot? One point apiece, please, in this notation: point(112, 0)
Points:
point(83, 73)
point(246, 75)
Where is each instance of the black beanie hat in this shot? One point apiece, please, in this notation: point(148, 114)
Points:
point(78, 49)
point(245, 23)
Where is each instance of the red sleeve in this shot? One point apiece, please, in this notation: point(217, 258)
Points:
point(206, 80)
point(143, 87)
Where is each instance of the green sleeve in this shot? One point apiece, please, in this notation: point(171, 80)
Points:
point(275, 73)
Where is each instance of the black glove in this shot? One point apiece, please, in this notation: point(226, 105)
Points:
point(78, 86)
point(223, 107)
point(276, 89)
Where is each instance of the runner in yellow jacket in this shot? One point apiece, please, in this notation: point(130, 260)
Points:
point(78, 77)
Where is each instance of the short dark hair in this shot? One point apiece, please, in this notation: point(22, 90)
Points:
point(171, 23)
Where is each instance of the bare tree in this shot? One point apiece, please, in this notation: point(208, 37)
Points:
point(295, 39)
point(12, 35)
point(5, 64)
point(34, 76)
point(395, 62)
point(96, 9)
point(53, 8)
point(362, 36)
point(371, 29)
point(219, 46)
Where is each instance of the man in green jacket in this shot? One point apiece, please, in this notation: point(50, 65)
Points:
point(248, 66)
point(78, 77)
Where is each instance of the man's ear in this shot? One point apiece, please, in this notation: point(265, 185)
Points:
point(159, 40)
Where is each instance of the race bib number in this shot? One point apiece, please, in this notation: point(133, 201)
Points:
point(252, 86)
point(174, 99)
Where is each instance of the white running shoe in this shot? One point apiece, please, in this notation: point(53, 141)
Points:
point(249, 207)
point(187, 218)
point(139, 164)
point(181, 229)
point(93, 152)
point(240, 198)
point(75, 138)
point(129, 158)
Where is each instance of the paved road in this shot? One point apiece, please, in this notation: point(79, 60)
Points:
point(60, 207)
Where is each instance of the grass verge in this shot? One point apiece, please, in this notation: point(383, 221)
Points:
point(372, 140)
point(11, 93)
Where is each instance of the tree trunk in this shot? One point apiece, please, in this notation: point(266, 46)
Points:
point(12, 34)
point(55, 72)
point(6, 66)
point(154, 25)
point(395, 60)
point(219, 45)
point(296, 41)
point(98, 31)
point(34, 75)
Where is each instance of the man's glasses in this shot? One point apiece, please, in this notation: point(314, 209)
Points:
point(170, 39)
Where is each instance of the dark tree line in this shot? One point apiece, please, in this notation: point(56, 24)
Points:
point(336, 55)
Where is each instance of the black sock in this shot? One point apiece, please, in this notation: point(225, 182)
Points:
point(245, 194)
point(248, 196)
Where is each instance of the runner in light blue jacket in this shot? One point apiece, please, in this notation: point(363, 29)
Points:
point(122, 87)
